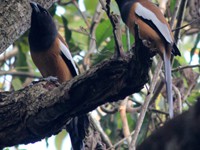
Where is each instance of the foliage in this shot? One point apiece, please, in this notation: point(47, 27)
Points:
point(73, 28)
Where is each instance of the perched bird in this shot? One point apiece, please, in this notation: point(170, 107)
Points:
point(154, 31)
point(52, 57)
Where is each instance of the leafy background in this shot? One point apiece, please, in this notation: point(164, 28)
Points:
point(18, 70)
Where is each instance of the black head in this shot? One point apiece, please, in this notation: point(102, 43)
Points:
point(125, 7)
point(43, 29)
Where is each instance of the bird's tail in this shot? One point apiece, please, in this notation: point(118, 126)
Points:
point(168, 80)
point(77, 130)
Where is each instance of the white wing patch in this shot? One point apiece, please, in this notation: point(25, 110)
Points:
point(67, 53)
point(149, 15)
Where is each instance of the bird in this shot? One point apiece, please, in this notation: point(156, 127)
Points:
point(154, 30)
point(51, 55)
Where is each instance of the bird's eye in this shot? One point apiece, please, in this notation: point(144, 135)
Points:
point(45, 12)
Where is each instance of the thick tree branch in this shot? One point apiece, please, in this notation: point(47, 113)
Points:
point(42, 109)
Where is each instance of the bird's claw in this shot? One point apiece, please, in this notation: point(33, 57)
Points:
point(51, 79)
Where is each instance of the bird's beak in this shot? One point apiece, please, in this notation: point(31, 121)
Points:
point(35, 7)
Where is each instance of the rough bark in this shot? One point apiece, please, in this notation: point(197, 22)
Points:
point(15, 19)
point(41, 109)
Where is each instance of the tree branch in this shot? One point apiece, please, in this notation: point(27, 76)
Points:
point(42, 109)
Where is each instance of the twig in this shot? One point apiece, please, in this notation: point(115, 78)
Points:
point(184, 26)
point(179, 101)
point(133, 110)
point(128, 38)
point(168, 8)
point(115, 21)
point(185, 67)
point(92, 43)
point(79, 31)
point(143, 111)
point(176, 9)
point(180, 18)
point(189, 89)
point(145, 105)
point(82, 14)
point(104, 136)
point(122, 111)
point(8, 55)
point(22, 74)
point(158, 111)
point(162, 5)
point(64, 3)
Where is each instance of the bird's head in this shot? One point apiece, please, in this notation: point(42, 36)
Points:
point(41, 19)
point(43, 30)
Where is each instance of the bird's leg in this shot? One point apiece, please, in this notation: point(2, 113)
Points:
point(50, 79)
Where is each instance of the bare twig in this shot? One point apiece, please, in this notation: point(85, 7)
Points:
point(128, 38)
point(115, 21)
point(158, 111)
point(22, 74)
point(92, 43)
point(143, 111)
point(122, 111)
point(176, 9)
point(178, 97)
point(185, 67)
point(104, 136)
point(64, 3)
point(191, 86)
point(180, 18)
point(184, 26)
point(8, 55)
point(82, 14)
point(145, 105)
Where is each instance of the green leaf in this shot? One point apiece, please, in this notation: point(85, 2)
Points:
point(17, 84)
point(68, 33)
point(103, 31)
point(194, 47)
point(144, 129)
point(59, 139)
point(172, 5)
point(90, 5)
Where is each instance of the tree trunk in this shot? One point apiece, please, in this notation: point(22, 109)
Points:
point(15, 19)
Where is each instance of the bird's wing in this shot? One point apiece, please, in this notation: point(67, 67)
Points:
point(66, 55)
point(149, 16)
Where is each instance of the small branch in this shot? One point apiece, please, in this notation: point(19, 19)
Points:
point(159, 111)
point(180, 18)
point(128, 38)
point(115, 21)
point(184, 26)
point(176, 9)
point(64, 3)
point(125, 127)
point(83, 16)
point(191, 86)
point(145, 105)
point(18, 73)
point(42, 109)
point(178, 97)
point(8, 55)
point(92, 43)
point(104, 136)
point(185, 67)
